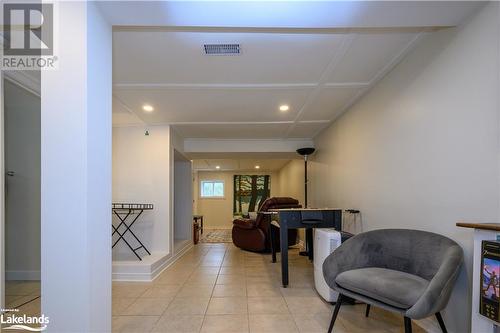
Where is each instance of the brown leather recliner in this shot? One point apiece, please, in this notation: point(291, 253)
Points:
point(253, 235)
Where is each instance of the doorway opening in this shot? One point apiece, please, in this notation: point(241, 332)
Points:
point(22, 149)
point(183, 207)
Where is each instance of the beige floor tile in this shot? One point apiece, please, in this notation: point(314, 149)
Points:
point(233, 263)
point(32, 308)
point(271, 323)
point(211, 263)
point(120, 304)
point(22, 288)
point(178, 324)
point(206, 270)
point(262, 290)
point(266, 279)
point(13, 302)
point(232, 270)
point(317, 323)
point(162, 291)
point(225, 324)
point(229, 290)
point(231, 279)
point(169, 277)
point(188, 306)
point(267, 305)
point(227, 305)
point(129, 289)
point(134, 324)
point(189, 290)
point(148, 307)
point(294, 291)
point(202, 279)
point(307, 305)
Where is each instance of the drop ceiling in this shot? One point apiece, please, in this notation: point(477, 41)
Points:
point(317, 73)
point(267, 165)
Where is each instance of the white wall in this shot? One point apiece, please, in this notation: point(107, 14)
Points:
point(218, 213)
point(22, 156)
point(420, 150)
point(141, 174)
point(76, 174)
point(291, 180)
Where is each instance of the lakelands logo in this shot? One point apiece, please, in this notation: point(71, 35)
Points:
point(24, 322)
point(28, 36)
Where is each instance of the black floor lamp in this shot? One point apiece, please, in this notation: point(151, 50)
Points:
point(309, 236)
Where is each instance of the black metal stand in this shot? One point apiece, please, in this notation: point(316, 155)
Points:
point(123, 212)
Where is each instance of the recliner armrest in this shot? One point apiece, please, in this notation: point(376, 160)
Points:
point(244, 223)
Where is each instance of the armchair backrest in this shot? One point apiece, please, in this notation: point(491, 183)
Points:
point(274, 203)
point(415, 252)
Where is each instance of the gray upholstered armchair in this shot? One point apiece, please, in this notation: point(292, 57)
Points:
point(407, 271)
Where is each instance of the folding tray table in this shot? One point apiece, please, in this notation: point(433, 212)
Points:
point(128, 213)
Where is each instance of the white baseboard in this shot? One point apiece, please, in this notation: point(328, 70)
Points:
point(189, 245)
point(23, 275)
point(146, 271)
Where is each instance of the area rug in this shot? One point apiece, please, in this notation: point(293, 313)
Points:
point(217, 236)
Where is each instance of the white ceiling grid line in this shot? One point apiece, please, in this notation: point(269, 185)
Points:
point(383, 72)
point(318, 75)
point(346, 42)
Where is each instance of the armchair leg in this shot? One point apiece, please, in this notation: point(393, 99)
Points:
point(367, 312)
point(335, 313)
point(407, 325)
point(441, 322)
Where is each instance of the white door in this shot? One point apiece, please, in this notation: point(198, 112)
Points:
point(22, 183)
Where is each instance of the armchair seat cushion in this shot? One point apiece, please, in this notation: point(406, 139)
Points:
point(244, 223)
point(396, 288)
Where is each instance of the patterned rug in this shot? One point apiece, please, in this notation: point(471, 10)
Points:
point(217, 236)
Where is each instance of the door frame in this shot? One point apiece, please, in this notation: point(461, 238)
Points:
point(2, 196)
point(27, 83)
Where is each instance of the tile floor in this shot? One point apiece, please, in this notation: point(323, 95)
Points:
point(220, 288)
point(23, 295)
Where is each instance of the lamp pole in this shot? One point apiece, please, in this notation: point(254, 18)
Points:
point(309, 236)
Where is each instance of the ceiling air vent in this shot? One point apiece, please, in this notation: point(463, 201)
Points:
point(222, 49)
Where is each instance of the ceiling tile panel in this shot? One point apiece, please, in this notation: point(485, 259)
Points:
point(329, 103)
point(122, 116)
point(306, 130)
point(368, 54)
point(214, 105)
point(178, 57)
point(233, 131)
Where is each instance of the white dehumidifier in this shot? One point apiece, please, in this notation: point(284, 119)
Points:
point(325, 242)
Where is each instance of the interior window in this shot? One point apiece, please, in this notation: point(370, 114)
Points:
point(212, 189)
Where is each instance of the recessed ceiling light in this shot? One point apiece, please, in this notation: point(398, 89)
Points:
point(284, 108)
point(147, 108)
point(217, 166)
point(257, 167)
